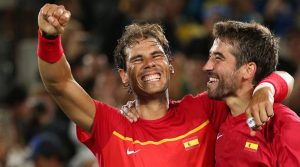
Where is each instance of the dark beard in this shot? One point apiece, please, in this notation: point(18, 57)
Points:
point(222, 90)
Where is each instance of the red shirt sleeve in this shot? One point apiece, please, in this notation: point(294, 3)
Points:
point(287, 137)
point(105, 120)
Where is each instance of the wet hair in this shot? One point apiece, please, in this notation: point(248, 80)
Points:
point(132, 34)
point(252, 42)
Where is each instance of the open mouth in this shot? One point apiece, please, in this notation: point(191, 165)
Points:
point(151, 77)
point(212, 80)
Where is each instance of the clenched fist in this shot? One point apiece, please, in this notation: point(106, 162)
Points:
point(52, 19)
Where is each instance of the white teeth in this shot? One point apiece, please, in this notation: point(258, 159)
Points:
point(153, 77)
point(212, 79)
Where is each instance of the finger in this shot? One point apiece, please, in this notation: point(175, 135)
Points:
point(137, 116)
point(131, 116)
point(51, 14)
point(124, 110)
point(43, 12)
point(256, 128)
point(64, 18)
point(130, 120)
point(252, 132)
point(270, 111)
point(256, 116)
point(51, 9)
point(44, 9)
point(53, 21)
point(263, 113)
point(133, 111)
point(58, 11)
point(248, 113)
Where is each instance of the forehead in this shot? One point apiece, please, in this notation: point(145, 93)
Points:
point(143, 46)
point(222, 46)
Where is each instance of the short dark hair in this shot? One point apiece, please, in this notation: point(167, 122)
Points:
point(132, 34)
point(252, 43)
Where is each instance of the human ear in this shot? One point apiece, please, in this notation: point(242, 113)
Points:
point(124, 76)
point(171, 69)
point(250, 70)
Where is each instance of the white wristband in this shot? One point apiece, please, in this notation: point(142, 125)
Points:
point(263, 85)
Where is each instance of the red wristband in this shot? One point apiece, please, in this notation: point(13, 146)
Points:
point(49, 50)
point(280, 86)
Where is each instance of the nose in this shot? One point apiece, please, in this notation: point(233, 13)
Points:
point(149, 63)
point(209, 65)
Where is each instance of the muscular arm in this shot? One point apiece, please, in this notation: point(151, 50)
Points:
point(68, 94)
point(57, 77)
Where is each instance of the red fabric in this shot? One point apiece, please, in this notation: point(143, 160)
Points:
point(281, 87)
point(185, 136)
point(277, 143)
point(49, 50)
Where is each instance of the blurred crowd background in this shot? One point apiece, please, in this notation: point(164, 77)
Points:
point(34, 132)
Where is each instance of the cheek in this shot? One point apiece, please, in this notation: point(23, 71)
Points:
point(132, 73)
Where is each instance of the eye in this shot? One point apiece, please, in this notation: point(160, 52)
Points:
point(137, 59)
point(218, 57)
point(157, 56)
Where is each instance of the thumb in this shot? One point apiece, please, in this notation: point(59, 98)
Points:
point(252, 132)
point(248, 113)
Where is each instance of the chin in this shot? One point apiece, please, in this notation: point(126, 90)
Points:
point(214, 96)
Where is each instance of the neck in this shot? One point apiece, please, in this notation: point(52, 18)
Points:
point(239, 102)
point(153, 108)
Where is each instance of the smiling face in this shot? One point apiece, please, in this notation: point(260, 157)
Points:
point(148, 68)
point(222, 72)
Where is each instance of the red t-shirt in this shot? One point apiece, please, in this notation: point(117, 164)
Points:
point(277, 144)
point(184, 137)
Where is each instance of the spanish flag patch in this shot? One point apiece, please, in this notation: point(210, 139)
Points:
point(251, 145)
point(191, 143)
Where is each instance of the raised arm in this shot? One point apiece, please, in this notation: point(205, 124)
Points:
point(55, 70)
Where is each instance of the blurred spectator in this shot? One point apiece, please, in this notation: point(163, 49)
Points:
point(7, 135)
point(108, 88)
point(47, 151)
point(46, 117)
point(177, 88)
point(16, 102)
point(293, 53)
point(279, 15)
point(244, 10)
point(197, 54)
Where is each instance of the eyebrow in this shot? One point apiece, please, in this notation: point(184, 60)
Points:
point(135, 57)
point(152, 53)
point(216, 53)
point(157, 52)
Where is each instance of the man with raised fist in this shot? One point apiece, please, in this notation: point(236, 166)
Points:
point(168, 133)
